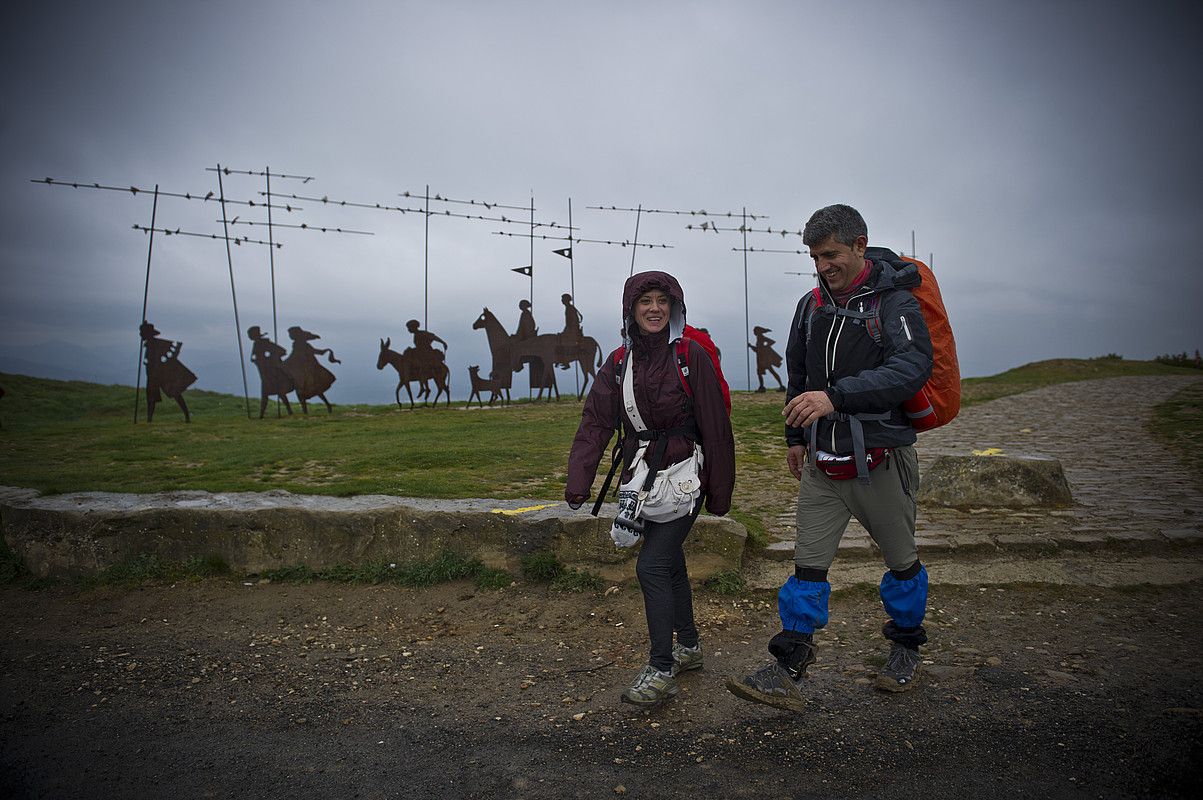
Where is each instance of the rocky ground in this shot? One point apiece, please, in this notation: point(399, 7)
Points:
point(1064, 662)
point(223, 689)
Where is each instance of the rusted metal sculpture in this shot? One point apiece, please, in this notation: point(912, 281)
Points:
point(411, 367)
point(165, 373)
point(309, 378)
point(527, 331)
point(268, 357)
point(429, 359)
point(572, 326)
point(766, 357)
point(481, 385)
point(542, 351)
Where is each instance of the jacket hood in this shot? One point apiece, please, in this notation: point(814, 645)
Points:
point(890, 271)
point(642, 282)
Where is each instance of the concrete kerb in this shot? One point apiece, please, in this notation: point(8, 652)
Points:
point(71, 535)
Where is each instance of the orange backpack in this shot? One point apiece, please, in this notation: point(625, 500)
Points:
point(940, 398)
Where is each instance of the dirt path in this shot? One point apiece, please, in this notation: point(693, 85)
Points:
point(218, 689)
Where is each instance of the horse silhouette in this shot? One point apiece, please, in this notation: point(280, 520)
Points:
point(411, 369)
point(509, 352)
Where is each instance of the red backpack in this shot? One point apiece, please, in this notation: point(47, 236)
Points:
point(706, 343)
point(940, 398)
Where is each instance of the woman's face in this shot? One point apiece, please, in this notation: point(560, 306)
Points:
point(651, 311)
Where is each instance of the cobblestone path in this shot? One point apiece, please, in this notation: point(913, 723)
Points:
point(1128, 490)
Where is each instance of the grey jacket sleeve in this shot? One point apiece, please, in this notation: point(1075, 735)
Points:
point(906, 360)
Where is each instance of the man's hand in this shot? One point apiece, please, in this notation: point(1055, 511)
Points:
point(796, 459)
point(807, 407)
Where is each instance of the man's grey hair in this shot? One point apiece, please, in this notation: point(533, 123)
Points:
point(843, 222)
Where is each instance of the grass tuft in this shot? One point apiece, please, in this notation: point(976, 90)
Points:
point(541, 567)
point(726, 583)
point(577, 580)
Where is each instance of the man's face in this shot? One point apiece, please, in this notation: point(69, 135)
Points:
point(839, 264)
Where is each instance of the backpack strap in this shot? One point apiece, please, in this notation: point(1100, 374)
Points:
point(871, 316)
point(683, 372)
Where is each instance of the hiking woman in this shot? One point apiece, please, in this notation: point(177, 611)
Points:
point(676, 418)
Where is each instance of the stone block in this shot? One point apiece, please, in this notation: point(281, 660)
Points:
point(85, 533)
point(988, 482)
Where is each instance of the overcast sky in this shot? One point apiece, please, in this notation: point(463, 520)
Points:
point(1045, 154)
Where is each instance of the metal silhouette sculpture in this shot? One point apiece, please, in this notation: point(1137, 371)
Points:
point(542, 351)
point(412, 368)
point(165, 373)
point(268, 357)
point(429, 359)
point(481, 385)
point(766, 357)
point(572, 326)
point(309, 378)
point(527, 331)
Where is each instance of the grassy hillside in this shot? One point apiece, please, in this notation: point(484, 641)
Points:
point(71, 436)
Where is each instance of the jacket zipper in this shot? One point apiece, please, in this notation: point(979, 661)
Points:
point(829, 355)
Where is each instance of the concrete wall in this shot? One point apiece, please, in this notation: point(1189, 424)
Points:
point(84, 533)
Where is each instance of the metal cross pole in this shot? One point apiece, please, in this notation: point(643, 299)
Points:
point(531, 297)
point(572, 288)
point(145, 294)
point(743, 229)
point(426, 264)
point(230, 263)
point(638, 214)
point(267, 173)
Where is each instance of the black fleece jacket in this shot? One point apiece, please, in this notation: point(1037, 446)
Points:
point(860, 376)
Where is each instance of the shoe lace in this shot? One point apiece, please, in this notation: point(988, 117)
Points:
point(900, 658)
point(646, 677)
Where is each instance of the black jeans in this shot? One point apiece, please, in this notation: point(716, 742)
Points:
point(667, 596)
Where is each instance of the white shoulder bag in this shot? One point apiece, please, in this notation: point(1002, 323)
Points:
point(676, 488)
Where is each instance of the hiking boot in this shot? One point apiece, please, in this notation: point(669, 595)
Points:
point(686, 658)
point(898, 675)
point(651, 688)
point(772, 685)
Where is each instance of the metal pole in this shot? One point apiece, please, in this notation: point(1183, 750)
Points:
point(532, 249)
point(747, 321)
point(145, 293)
point(635, 244)
point(914, 252)
point(230, 263)
point(271, 250)
point(426, 267)
point(931, 260)
point(576, 373)
point(531, 297)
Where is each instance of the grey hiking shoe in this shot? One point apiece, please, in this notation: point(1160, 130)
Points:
point(772, 685)
point(651, 688)
point(898, 675)
point(686, 658)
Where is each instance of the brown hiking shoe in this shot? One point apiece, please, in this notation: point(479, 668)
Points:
point(772, 685)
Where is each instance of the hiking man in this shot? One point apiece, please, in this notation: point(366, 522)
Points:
point(847, 384)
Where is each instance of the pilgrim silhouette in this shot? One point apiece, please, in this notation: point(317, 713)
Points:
point(267, 356)
point(309, 378)
point(766, 357)
point(165, 373)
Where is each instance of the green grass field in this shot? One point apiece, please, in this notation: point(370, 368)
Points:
point(71, 436)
